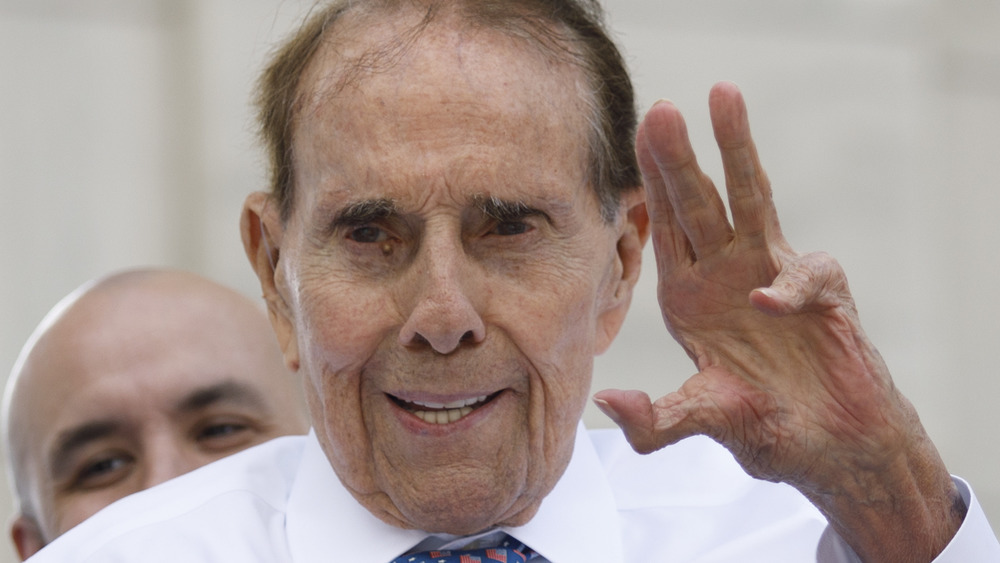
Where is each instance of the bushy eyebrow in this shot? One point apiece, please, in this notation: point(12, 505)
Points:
point(503, 209)
point(366, 211)
point(360, 213)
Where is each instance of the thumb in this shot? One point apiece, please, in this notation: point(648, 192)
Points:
point(647, 426)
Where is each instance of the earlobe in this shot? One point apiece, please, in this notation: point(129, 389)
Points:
point(632, 237)
point(27, 536)
point(262, 230)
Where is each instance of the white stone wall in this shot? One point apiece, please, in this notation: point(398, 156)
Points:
point(125, 140)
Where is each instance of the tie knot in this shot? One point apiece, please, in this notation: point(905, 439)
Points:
point(509, 550)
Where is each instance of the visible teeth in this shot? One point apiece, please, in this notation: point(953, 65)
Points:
point(443, 413)
point(442, 416)
point(452, 405)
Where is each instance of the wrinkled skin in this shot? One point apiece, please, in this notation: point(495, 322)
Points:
point(787, 379)
point(396, 283)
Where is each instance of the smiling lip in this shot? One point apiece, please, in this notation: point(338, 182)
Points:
point(443, 413)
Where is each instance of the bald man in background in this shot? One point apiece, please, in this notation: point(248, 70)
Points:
point(132, 380)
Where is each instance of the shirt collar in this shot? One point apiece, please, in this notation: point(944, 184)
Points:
point(323, 518)
point(325, 523)
point(580, 506)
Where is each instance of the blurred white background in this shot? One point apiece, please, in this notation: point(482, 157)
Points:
point(126, 139)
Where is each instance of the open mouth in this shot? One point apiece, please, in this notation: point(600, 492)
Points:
point(443, 413)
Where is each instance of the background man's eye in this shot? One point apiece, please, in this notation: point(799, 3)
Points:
point(367, 234)
point(221, 430)
point(102, 472)
point(508, 228)
point(226, 434)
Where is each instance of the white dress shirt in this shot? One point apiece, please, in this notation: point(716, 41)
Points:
point(281, 501)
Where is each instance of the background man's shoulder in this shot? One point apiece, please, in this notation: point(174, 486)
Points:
point(240, 499)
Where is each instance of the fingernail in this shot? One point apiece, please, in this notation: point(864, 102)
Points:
point(606, 408)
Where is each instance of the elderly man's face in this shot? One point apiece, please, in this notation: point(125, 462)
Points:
point(445, 277)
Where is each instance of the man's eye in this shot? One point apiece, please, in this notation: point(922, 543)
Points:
point(102, 472)
point(225, 435)
point(368, 234)
point(510, 228)
point(221, 430)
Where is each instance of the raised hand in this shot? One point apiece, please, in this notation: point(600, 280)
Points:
point(786, 379)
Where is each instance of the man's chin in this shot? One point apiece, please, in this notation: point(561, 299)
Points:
point(468, 518)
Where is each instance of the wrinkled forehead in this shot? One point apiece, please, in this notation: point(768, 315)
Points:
point(410, 99)
point(410, 45)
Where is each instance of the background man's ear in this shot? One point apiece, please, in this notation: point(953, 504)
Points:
point(262, 230)
point(632, 237)
point(27, 536)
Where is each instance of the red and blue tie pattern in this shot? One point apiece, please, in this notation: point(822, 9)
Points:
point(511, 551)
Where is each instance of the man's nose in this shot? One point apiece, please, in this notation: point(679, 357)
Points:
point(167, 459)
point(443, 313)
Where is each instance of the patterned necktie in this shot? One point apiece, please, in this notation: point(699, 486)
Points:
point(509, 551)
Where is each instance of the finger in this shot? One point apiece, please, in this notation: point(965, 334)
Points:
point(696, 203)
point(670, 244)
point(647, 426)
point(811, 282)
point(754, 215)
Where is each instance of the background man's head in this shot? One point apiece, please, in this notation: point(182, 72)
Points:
point(130, 381)
point(452, 235)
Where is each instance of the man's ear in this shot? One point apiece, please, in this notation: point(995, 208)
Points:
point(632, 237)
point(262, 230)
point(27, 536)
